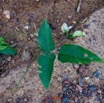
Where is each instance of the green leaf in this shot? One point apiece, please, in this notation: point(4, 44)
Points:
point(1, 39)
point(6, 48)
point(76, 54)
point(78, 33)
point(45, 40)
point(46, 62)
point(9, 50)
point(3, 47)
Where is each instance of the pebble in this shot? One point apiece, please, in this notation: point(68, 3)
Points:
point(19, 100)
point(69, 17)
point(13, 61)
point(65, 99)
point(86, 93)
point(81, 81)
point(86, 78)
point(7, 14)
point(26, 55)
point(76, 66)
point(26, 27)
point(20, 92)
point(92, 88)
point(97, 74)
point(37, 0)
point(25, 100)
point(10, 100)
point(9, 59)
point(74, 22)
point(31, 35)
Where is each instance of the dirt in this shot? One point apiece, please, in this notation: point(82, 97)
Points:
point(24, 13)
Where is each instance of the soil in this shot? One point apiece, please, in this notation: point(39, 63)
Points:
point(19, 31)
point(25, 13)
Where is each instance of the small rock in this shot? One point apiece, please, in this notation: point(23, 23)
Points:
point(74, 22)
point(20, 92)
point(69, 17)
point(10, 100)
point(86, 78)
point(13, 61)
point(97, 74)
point(94, 21)
point(26, 55)
point(81, 81)
point(65, 99)
point(37, 0)
point(86, 93)
point(76, 66)
point(19, 100)
point(7, 14)
point(79, 88)
point(9, 59)
point(29, 39)
point(92, 88)
point(99, 91)
point(25, 99)
point(31, 35)
point(26, 27)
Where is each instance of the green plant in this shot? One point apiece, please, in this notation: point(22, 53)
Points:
point(71, 53)
point(6, 48)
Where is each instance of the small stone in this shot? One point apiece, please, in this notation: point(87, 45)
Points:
point(25, 100)
point(20, 92)
point(79, 88)
point(7, 14)
point(12, 42)
point(92, 88)
point(97, 74)
point(76, 66)
point(9, 59)
point(10, 99)
point(94, 21)
point(26, 55)
point(29, 39)
point(99, 91)
point(13, 61)
point(19, 100)
point(65, 99)
point(65, 77)
point(31, 35)
point(26, 27)
point(86, 93)
point(37, 0)
point(81, 81)
point(87, 78)
point(69, 17)
point(74, 22)
point(57, 21)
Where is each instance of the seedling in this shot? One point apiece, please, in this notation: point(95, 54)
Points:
point(68, 53)
point(66, 30)
point(5, 48)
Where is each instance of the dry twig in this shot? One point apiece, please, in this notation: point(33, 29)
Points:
point(79, 6)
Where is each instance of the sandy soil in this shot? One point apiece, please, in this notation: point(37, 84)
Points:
point(25, 13)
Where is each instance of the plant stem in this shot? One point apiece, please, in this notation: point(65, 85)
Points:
point(62, 39)
point(28, 67)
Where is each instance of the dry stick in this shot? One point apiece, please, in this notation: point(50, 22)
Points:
point(79, 6)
